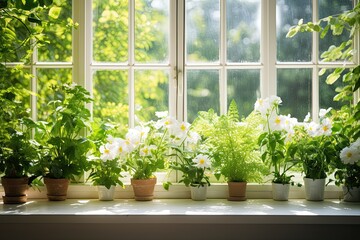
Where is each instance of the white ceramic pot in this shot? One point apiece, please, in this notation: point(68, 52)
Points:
point(280, 192)
point(198, 193)
point(106, 194)
point(351, 194)
point(314, 189)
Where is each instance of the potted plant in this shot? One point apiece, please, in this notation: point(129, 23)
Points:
point(346, 127)
point(191, 159)
point(347, 171)
point(315, 150)
point(276, 145)
point(20, 30)
point(233, 148)
point(65, 147)
point(18, 151)
point(147, 146)
point(106, 161)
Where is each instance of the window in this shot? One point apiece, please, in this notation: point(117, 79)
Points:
point(141, 56)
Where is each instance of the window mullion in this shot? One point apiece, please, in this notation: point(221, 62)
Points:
point(131, 62)
point(222, 54)
point(173, 59)
point(315, 59)
point(180, 62)
point(268, 48)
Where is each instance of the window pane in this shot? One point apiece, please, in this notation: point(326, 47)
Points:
point(110, 30)
point(151, 93)
point(244, 87)
point(110, 93)
point(202, 21)
point(298, 48)
point(327, 92)
point(243, 30)
point(59, 49)
point(294, 88)
point(151, 30)
point(47, 78)
point(328, 8)
point(202, 92)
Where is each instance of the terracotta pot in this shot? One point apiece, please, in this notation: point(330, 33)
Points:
point(56, 188)
point(314, 189)
point(198, 193)
point(280, 192)
point(237, 191)
point(106, 194)
point(15, 190)
point(143, 189)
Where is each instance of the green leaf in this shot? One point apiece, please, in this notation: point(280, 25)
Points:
point(54, 12)
point(324, 31)
point(292, 32)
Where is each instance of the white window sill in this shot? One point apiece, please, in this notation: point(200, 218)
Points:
point(181, 219)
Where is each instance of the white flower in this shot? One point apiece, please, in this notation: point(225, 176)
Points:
point(180, 130)
point(137, 135)
point(267, 105)
point(262, 106)
point(349, 155)
point(202, 161)
point(323, 112)
point(161, 114)
point(277, 122)
point(146, 151)
point(274, 100)
point(106, 152)
point(307, 117)
point(312, 129)
point(121, 147)
point(193, 137)
point(325, 127)
point(166, 122)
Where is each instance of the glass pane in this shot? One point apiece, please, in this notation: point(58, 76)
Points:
point(110, 30)
point(330, 8)
point(46, 79)
point(244, 87)
point(327, 92)
point(294, 88)
point(151, 30)
point(151, 93)
point(202, 92)
point(110, 93)
point(297, 48)
point(243, 30)
point(59, 49)
point(202, 23)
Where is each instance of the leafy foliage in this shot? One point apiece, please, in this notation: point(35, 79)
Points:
point(106, 173)
point(232, 144)
point(65, 147)
point(191, 174)
point(345, 121)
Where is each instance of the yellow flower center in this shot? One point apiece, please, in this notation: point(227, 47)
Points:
point(146, 151)
point(183, 128)
point(120, 149)
point(277, 121)
point(325, 128)
point(349, 154)
point(107, 151)
point(202, 161)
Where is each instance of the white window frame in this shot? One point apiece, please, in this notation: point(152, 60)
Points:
point(82, 67)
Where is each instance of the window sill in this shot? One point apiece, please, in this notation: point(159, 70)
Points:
point(177, 218)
